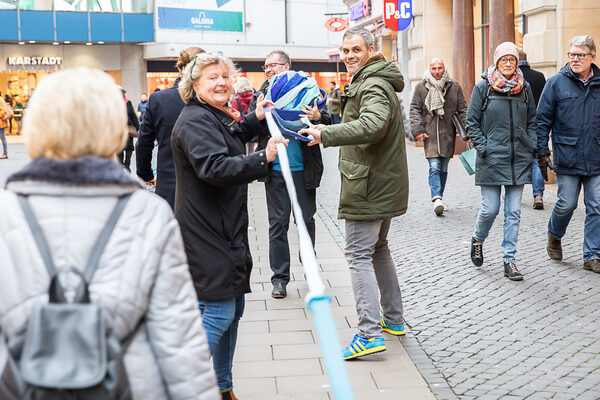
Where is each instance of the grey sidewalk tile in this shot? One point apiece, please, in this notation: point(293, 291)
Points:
point(275, 338)
point(276, 368)
point(300, 384)
point(296, 351)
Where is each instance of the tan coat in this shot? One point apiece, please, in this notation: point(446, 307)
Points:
point(5, 113)
point(439, 129)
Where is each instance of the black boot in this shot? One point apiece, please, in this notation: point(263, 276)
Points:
point(511, 271)
point(476, 252)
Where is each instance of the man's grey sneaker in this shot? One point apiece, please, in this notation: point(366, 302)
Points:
point(279, 291)
point(554, 248)
point(538, 202)
point(592, 265)
point(438, 207)
point(476, 252)
point(511, 272)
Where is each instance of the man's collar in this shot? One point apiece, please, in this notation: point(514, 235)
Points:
point(523, 63)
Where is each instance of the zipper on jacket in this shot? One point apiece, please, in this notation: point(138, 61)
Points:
point(512, 141)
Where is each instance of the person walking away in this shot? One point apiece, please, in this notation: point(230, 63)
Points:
point(505, 146)
point(334, 103)
point(437, 97)
point(142, 106)
point(570, 109)
point(211, 195)
point(162, 111)
point(374, 177)
point(537, 81)
point(142, 277)
point(124, 155)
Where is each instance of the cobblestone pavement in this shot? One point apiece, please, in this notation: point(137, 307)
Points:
point(479, 335)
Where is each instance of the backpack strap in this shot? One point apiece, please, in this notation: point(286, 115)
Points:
point(99, 246)
point(487, 98)
point(103, 238)
point(38, 234)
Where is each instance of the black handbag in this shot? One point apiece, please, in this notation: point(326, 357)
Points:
point(460, 126)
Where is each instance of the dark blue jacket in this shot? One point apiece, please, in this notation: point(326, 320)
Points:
point(162, 111)
point(572, 112)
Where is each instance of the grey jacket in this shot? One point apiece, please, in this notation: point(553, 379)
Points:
point(143, 271)
point(439, 129)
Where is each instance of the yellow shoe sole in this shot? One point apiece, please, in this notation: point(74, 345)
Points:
point(374, 350)
point(395, 333)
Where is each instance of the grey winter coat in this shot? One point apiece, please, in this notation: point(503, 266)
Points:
point(504, 135)
point(142, 273)
point(439, 129)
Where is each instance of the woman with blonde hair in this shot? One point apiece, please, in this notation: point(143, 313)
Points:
point(162, 111)
point(75, 123)
point(213, 172)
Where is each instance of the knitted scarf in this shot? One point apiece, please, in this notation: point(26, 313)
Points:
point(435, 94)
point(500, 84)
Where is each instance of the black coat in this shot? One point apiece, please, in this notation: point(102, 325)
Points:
point(162, 111)
point(132, 120)
point(536, 80)
point(311, 155)
point(213, 172)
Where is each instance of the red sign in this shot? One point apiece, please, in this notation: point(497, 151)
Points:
point(336, 24)
point(397, 14)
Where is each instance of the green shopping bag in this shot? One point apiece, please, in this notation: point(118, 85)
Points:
point(467, 158)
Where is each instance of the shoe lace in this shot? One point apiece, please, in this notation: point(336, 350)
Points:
point(477, 247)
point(512, 267)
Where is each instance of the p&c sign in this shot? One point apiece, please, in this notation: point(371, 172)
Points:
point(397, 14)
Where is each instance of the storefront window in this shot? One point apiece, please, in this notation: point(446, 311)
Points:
point(156, 81)
point(520, 23)
point(8, 4)
point(38, 5)
point(108, 6)
point(70, 5)
point(138, 6)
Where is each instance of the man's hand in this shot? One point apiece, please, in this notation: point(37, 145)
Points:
point(260, 104)
point(315, 131)
point(544, 163)
point(311, 112)
point(421, 136)
point(151, 183)
point(271, 148)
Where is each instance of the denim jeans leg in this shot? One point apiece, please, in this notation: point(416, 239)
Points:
point(490, 206)
point(443, 174)
point(512, 219)
point(361, 240)
point(435, 183)
point(591, 233)
point(225, 349)
point(538, 180)
point(387, 278)
point(278, 209)
point(3, 138)
point(569, 187)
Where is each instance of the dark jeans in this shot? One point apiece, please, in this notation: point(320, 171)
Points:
point(279, 209)
point(335, 119)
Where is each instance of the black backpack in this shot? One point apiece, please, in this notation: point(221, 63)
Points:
point(66, 350)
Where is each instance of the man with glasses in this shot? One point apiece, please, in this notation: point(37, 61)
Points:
point(307, 167)
point(570, 108)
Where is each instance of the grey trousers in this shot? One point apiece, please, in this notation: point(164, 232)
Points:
point(372, 271)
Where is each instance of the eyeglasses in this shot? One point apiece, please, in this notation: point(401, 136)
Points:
point(271, 66)
point(580, 56)
point(508, 60)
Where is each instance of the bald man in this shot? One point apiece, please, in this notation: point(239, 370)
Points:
point(436, 98)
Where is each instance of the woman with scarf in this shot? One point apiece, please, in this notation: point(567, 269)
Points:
point(212, 175)
point(501, 122)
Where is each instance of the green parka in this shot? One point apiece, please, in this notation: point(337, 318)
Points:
point(372, 159)
point(504, 134)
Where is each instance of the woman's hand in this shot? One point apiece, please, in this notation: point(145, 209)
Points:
point(271, 148)
point(260, 104)
point(311, 112)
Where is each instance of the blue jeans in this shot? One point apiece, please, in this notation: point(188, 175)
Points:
point(335, 119)
point(538, 180)
point(438, 173)
point(220, 320)
point(490, 206)
point(569, 187)
point(3, 138)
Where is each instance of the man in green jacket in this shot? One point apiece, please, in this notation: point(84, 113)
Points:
point(374, 186)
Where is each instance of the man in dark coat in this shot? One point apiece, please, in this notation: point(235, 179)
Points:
point(436, 98)
point(570, 108)
point(537, 81)
point(306, 182)
point(162, 111)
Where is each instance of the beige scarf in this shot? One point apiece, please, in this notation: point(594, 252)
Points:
point(435, 94)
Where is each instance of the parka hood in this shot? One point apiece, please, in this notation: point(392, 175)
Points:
point(382, 68)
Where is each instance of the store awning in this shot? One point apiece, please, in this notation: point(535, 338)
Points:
point(333, 55)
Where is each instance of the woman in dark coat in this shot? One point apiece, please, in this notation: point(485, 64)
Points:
point(213, 171)
point(124, 155)
point(501, 122)
point(162, 111)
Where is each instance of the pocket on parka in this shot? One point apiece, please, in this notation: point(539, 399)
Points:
point(354, 181)
point(565, 150)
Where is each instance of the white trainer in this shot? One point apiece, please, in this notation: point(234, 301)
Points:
point(438, 207)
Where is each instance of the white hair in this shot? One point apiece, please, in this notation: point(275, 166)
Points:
point(584, 40)
point(193, 70)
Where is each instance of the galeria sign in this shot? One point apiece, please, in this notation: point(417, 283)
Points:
point(34, 60)
point(397, 14)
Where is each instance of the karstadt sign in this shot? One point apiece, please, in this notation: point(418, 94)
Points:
point(19, 61)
